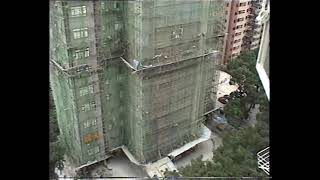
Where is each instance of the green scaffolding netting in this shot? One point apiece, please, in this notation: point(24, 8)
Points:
point(102, 104)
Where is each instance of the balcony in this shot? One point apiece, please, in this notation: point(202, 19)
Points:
point(256, 5)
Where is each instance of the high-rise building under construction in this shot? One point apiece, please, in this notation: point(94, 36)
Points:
point(138, 74)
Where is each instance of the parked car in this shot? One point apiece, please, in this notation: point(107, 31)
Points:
point(223, 100)
point(227, 96)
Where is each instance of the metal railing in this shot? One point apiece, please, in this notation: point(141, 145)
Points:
point(263, 160)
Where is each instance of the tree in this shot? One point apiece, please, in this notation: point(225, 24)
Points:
point(171, 174)
point(243, 72)
point(234, 113)
point(237, 156)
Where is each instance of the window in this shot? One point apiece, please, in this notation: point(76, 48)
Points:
point(116, 5)
point(86, 52)
point(90, 89)
point(93, 151)
point(238, 34)
point(233, 28)
point(242, 11)
point(80, 33)
point(240, 26)
point(80, 54)
point(93, 105)
point(94, 122)
point(227, 4)
point(121, 94)
point(85, 107)
point(226, 12)
point(84, 10)
point(77, 54)
point(237, 47)
point(76, 34)
point(90, 123)
point(78, 11)
point(86, 124)
point(116, 26)
point(88, 107)
point(83, 91)
point(240, 19)
point(235, 13)
point(238, 40)
point(86, 90)
point(96, 150)
point(242, 4)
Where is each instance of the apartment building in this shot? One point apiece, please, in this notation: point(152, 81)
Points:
point(243, 32)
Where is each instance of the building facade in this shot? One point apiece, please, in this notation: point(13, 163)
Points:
point(138, 74)
point(263, 59)
point(243, 32)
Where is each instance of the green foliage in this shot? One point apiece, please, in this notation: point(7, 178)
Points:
point(237, 156)
point(235, 113)
point(234, 109)
point(171, 174)
point(243, 72)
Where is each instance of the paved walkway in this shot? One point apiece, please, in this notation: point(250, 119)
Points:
point(252, 120)
point(205, 149)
